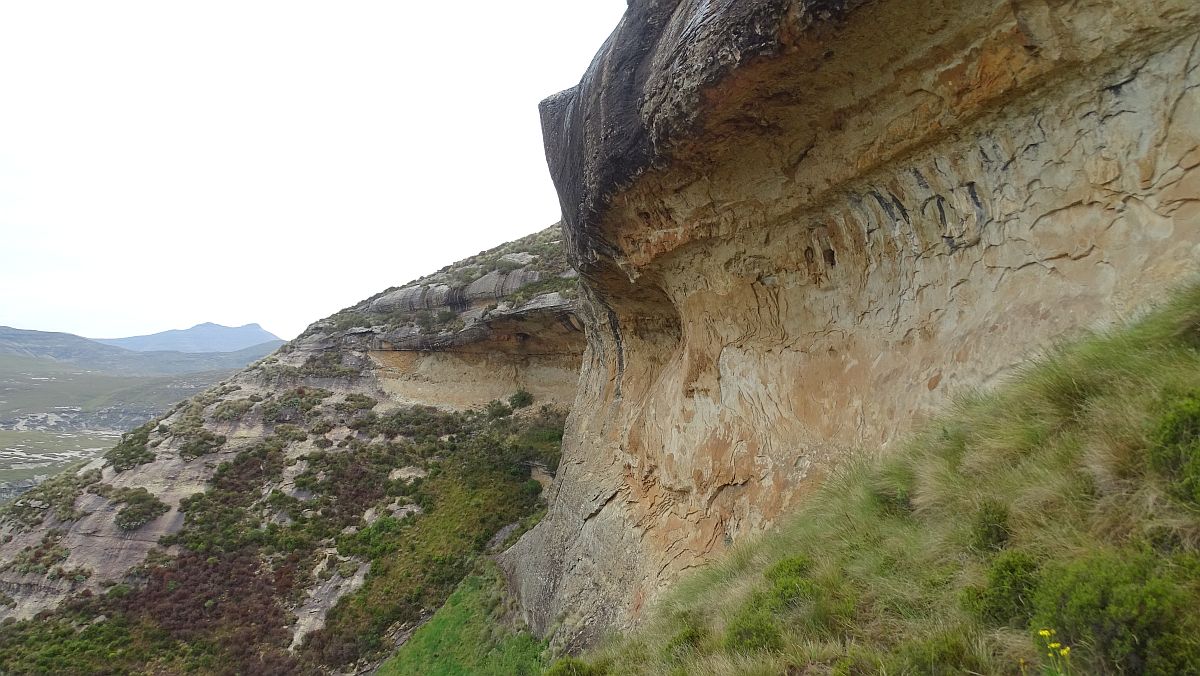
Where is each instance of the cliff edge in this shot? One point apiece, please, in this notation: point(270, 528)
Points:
point(800, 225)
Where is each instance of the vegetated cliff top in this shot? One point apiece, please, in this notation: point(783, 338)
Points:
point(530, 274)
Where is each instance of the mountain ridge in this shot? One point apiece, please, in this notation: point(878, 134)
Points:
point(84, 352)
point(203, 337)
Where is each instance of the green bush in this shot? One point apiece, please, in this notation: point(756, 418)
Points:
point(753, 628)
point(200, 442)
point(687, 638)
point(1007, 598)
point(356, 402)
point(141, 507)
point(290, 433)
point(1126, 611)
point(789, 580)
point(131, 451)
point(521, 399)
point(228, 411)
point(1175, 447)
point(328, 365)
point(39, 560)
point(497, 409)
point(293, 405)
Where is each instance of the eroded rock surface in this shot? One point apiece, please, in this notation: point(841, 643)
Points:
point(801, 224)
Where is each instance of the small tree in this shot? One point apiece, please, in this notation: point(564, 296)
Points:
point(521, 399)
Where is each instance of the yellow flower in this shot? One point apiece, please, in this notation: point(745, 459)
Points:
point(1065, 651)
point(1044, 632)
point(1056, 644)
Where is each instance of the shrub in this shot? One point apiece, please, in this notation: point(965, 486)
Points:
point(290, 433)
point(753, 628)
point(328, 365)
point(356, 402)
point(989, 529)
point(1175, 447)
point(38, 560)
point(1007, 598)
point(789, 580)
point(521, 399)
point(497, 409)
point(201, 443)
point(228, 411)
point(293, 405)
point(1125, 610)
point(131, 451)
point(141, 507)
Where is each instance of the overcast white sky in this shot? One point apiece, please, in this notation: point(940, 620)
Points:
point(165, 163)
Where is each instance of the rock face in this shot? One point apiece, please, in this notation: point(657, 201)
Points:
point(800, 224)
point(64, 538)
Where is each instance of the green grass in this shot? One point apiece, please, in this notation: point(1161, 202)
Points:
point(1063, 501)
point(470, 634)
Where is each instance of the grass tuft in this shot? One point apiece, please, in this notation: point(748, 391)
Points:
point(1064, 502)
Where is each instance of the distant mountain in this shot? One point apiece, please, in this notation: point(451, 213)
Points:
point(92, 355)
point(207, 337)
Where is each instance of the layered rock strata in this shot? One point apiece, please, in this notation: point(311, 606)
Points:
point(801, 224)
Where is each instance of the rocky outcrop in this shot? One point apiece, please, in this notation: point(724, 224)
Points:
point(801, 224)
point(459, 352)
point(473, 332)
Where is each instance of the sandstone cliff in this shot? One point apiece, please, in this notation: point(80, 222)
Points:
point(476, 331)
point(801, 223)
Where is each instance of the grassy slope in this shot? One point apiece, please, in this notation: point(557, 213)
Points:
point(469, 635)
point(1067, 500)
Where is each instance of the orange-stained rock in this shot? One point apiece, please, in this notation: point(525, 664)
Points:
point(802, 225)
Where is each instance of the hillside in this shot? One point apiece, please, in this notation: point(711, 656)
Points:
point(841, 303)
point(306, 513)
point(1064, 501)
point(94, 356)
point(206, 337)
